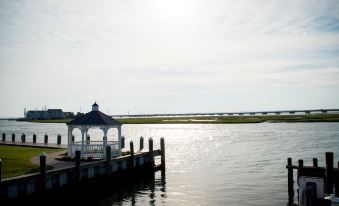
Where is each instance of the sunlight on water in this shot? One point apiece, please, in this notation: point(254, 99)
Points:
point(213, 164)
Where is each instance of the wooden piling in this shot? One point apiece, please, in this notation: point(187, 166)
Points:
point(337, 182)
point(141, 143)
point(13, 137)
point(122, 142)
point(300, 168)
point(0, 174)
point(77, 165)
point(59, 139)
point(42, 171)
point(150, 147)
point(34, 138)
point(23, 137)
point(329, 169)
point(131, 146)
point(108, 160)
point(290, 181)
point(162, 149)
point(46, 139)
point(3, 137)
point(315, 162)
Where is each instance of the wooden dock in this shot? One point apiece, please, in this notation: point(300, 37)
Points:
point(328, 175)
point(128, 167)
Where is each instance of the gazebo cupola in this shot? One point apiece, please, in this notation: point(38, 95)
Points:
point(94, 119)
point(95, 107)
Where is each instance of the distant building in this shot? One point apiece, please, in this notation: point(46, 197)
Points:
point(48, 114)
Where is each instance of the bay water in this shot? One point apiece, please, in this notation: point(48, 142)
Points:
point(209, 164)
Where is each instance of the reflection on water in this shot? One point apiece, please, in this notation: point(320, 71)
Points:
point(149, 190)
point(211, 164)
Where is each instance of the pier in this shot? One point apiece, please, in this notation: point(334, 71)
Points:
point(82, 173)
point(314, 182)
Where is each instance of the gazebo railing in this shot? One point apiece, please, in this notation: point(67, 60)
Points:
point(95, 148)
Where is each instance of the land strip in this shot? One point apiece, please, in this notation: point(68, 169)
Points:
point(220, 119)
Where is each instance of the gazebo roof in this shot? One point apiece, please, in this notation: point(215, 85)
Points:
point(95, 117)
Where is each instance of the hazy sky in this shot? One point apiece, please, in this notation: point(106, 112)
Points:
point(169, 56)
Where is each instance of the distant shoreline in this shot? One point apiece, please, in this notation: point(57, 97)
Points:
point(218, 119)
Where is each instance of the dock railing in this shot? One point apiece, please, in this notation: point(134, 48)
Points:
point(95, 149)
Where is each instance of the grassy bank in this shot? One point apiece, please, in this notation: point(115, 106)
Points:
point(220, 119)
point(233, 119)
point(16, 159)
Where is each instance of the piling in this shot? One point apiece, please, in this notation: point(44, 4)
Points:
point(150, 147)
point(300, 168)
point(108, 160)
point(23, 137)
point(34, 138)
point(315, 162)
point(337, 183)
point(0, 173)
point(329, 168)
point(290, 181)
point(122, 142)
point(3, 137)
point(59, 139)
point(13, 137)
point(162, 149)
point(141, 143)
point(42, 170)
point(46, 139)
point(77, 165)
point(131, 146)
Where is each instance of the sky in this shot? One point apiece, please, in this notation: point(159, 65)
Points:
point(174, 56)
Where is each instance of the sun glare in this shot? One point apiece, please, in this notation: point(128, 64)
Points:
point(173, 10)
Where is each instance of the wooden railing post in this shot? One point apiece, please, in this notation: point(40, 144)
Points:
point(46, 139)
point(151, 154)
point(108, 160)
point(42, 170)
point(329, 171)
point(34, 138)
point(162, 149)
point(141, 143)
point(131, 146)
point(23, 137)
point(13, 137)
point(77, 165)
point(290, 181)
point(59, 139)
point(3, 137)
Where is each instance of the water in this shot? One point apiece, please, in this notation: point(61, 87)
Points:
point(211, 164)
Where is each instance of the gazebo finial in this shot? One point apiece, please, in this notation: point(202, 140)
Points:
point(95, 106)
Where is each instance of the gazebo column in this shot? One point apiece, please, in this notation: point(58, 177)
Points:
point(69, 140)
point(105, 129)
point(119, 140)
point(83, 131)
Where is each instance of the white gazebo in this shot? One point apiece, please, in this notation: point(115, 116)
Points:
point(96, 149)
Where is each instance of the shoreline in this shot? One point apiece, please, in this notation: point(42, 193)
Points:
point(218, 119)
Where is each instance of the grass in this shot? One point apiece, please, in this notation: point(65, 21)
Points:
point(233, 119)
point(220, 119)
point(16, 159)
